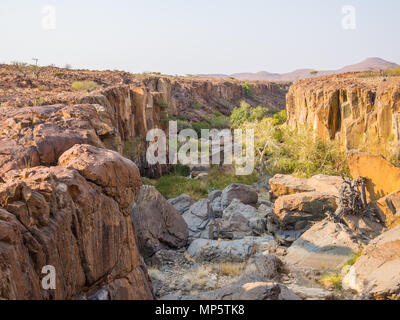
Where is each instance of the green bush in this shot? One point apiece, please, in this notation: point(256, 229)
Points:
point(85, 86)
point(180, 170)
point(281, 149)
point(172, 186)
point(198, 126)
point(247, 89)
point(240, 115)
point(220, 122)
point(163, 104)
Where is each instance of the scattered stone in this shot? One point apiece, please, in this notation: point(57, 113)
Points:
point(197, 218)
point(182, 203)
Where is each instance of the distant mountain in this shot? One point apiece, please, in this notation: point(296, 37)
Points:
point(369, 64)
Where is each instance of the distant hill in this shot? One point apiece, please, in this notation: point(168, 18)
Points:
point(366, 65)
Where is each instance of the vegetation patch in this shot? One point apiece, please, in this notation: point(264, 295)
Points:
point(173, 185)
point(85, 86)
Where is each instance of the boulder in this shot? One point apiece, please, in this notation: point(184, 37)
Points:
point(182, 203)
point(231, 251)
point(55, 216)
point(158, 224)
point(197, 218)
point(325, 246)
point(118, 176)
point(388, 209)
point(293, 210)
point(268, 266)
point(238, 221)
point(242, 192)
point(282, 185)
point(215, 203)
point(376, 273)
point(383, 178)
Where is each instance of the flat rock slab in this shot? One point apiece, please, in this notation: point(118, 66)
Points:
point(229, 251)
point(293, 210)
point(325, 246)
point(282, 184)
point(376, 274)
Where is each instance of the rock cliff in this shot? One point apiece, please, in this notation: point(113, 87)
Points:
point(360, 112)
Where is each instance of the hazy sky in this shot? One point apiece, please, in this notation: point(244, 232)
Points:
point(198, 36)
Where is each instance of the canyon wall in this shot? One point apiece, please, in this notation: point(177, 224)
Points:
point(362, 113)
point(65, 190)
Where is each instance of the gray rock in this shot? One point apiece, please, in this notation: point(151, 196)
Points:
point(237, 207)
point(327, 245)
point(375, 274)
point(182, 203)
point(268, 266)
point(158, 224)
point(197, 218)
point(246, 194)
point(231, 251)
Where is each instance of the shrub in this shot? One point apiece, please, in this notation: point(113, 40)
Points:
point(85, 86)
point(163, 104)
point(180, 170)
point(36, 70)
point(240, 115)
point(332, 281)
point(58, 74)
point(314, 72)
point(39, 102)
point(280, 117)
point(281, 149)
point(21, 68)
point(247, 89)
point(393, 72)
point(220, 122)
point(198, 126)
point(183, 124)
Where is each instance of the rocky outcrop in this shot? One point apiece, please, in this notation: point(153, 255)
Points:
point(382, 182)
point(158, 224)
point(360, 112)
point(72, 216)
point(376, 274)
point(325, 246)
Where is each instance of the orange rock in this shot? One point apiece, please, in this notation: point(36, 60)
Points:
point(383, 178)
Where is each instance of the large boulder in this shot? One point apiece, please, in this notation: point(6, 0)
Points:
point(376, 273)
point(231, 251)
point(325, 246)
point(383, 178)
point(242, 192)
point(293, 211)
point(158, 224)
point(182, 203)
point(55, 216)
point(118, 177)
point(282, 184)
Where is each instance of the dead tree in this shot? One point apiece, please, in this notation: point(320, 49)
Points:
point(352, 201)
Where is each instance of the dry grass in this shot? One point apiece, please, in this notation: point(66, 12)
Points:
point(229, 269)
point(333, 280)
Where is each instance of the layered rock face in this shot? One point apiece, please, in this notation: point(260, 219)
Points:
point(117, 116)
point(359, 112)
point(75, 217)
